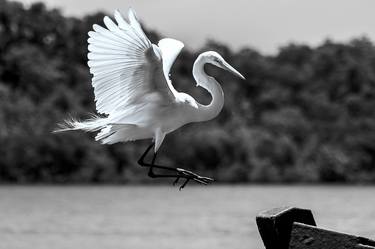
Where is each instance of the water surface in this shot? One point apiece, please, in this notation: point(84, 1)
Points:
point(144, 217)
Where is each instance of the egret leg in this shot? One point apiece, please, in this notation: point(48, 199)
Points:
point(180, 173)
point(142, 162)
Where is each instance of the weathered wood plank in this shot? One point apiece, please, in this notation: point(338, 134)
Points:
point(310, 237)
point(275, 225)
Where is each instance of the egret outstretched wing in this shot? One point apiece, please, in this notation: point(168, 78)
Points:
point(170, 48)
point(126, 66)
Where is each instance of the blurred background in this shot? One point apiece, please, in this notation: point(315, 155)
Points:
point(305, 114)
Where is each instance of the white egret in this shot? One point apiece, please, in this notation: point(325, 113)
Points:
point(133, 90)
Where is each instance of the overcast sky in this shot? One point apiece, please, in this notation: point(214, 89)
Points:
point(262, 24)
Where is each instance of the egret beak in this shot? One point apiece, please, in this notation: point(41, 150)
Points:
point(231, 69)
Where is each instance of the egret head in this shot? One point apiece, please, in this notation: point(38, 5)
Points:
point(215, 59)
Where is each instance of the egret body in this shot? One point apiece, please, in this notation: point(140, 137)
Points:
point(133, 90)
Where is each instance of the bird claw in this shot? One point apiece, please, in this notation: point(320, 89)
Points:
point(184, 184)
point(188, 175)
point(176, 181)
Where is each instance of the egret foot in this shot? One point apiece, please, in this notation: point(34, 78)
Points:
point(176, 181)
point(188, 175)
point(179, 173)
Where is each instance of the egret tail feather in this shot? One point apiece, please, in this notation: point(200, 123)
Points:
point(95, 123)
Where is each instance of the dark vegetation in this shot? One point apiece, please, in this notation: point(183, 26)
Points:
point(303, 115)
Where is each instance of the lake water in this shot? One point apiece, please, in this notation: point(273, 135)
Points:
point(161, 217)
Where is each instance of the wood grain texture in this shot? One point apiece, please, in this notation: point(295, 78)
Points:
point(310, 237)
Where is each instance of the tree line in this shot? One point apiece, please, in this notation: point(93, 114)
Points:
point(305, 114)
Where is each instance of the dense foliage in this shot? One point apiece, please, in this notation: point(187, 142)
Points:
point(303, 115)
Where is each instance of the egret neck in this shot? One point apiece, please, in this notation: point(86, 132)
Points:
point(207, 112)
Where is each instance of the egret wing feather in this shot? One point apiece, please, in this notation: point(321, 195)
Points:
point(170, 49)
point(126, 66)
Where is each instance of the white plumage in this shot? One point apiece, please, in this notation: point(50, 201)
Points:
point(132, 86)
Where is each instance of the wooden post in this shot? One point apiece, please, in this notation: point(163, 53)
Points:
point(295, 228)
point(275, 225)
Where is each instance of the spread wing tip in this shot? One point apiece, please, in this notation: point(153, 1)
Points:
point(171, 43)
point(132, 14)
